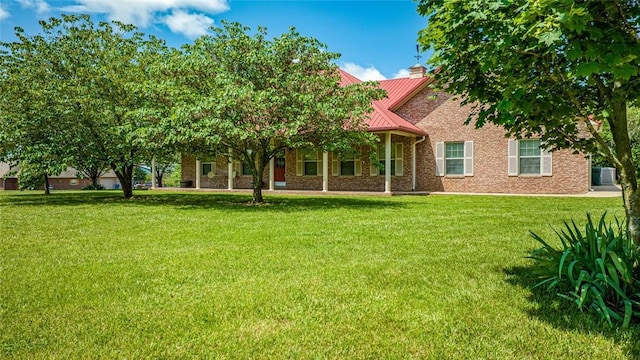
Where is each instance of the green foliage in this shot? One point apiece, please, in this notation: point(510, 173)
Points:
point(600, 159)
point(596, 269)
point(140, 175)
point(167, 163)
point(544, 69)
point(537, 66)
point(255, 96)
point(174, 177)
point(31, 176)
point(93, 187)
point(87, 103)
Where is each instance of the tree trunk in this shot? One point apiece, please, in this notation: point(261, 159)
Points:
point(257, 182)
point(625, 167)
point(94, 181)
point(159, 175)
point(46, 185)
point(125, 176)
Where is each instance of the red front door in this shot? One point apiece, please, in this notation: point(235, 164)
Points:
point(278, 174)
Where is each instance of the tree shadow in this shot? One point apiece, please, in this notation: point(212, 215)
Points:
point(187, 201)
point(562, 314)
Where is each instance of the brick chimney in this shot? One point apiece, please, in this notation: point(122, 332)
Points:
point(417, 71)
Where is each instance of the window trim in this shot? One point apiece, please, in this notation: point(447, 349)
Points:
point(212, 168)
point(301, 161)
point(397, 160)
point(467, 163)
point(336, 164)
point(447, 159)
point(546, 160)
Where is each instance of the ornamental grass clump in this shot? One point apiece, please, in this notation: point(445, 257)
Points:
point(596, 269)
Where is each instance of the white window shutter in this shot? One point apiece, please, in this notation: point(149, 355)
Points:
point(320, 168)
point(357, 164)
point(237, 166)
point(335, 165)
point(439, 159)
point(513, 157)
point(299, 163)
point(468, 158)
point(399, 160)
point(546, 163)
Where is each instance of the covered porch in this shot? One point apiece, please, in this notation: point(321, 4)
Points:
point(309, 170)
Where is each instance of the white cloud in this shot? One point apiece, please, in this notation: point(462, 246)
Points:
point(41, 6)
point(363, 73)
point(191, 25)
point(402, 73)
point(143, 12)
point(3, 13)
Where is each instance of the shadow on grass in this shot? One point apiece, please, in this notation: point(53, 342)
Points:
point(186, 201)
point(563, 314)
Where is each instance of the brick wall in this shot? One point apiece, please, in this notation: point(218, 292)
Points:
point(67, 183)
point(490, 162)
point(442, 118)
point(365, 182)
point(420, 105)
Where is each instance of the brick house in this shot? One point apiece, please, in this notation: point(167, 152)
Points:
point(424, 146)
point(69, 179)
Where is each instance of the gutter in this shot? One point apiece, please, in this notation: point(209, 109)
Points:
point(413, 161)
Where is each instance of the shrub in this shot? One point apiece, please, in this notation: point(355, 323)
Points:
point(597, 270)
point(92, 187)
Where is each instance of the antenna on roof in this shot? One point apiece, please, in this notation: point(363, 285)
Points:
point(418, 56)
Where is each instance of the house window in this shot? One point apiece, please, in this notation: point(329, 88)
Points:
point(309, 162)
point(310, 159)
point(529, 156)
point(397, 163)
point(454, 158)
point(526, 157)
point(74, 182)
point(246, 169)
point(208, 168)
point(347, 165)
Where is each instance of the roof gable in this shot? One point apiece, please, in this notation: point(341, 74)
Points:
point(398, 92)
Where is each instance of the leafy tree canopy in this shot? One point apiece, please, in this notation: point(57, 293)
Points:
point(87, 81)
point(257, 96)
point(544, 68)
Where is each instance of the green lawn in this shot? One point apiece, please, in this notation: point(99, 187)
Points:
point(183, 275)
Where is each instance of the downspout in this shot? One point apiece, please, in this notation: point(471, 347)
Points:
point(590, 174)
point(413, 162)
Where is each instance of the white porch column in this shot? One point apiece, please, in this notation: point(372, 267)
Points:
point(198, 173)
point(325, 171)
point(272, 173)
point(153, 173)
point(230, 171)
point(387, 162)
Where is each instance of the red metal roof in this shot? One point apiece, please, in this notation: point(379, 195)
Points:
point(398, 91)
point(348, 78)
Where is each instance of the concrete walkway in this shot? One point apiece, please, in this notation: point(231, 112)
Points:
point(598, 191)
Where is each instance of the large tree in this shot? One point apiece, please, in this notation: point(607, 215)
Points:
point(96, 79)
point(254, 97)
point(545, 68)
point(32, 135)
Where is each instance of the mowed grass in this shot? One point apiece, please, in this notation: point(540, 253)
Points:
point(184, 275)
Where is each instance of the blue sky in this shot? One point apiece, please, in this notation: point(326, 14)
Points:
point(377, 39)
